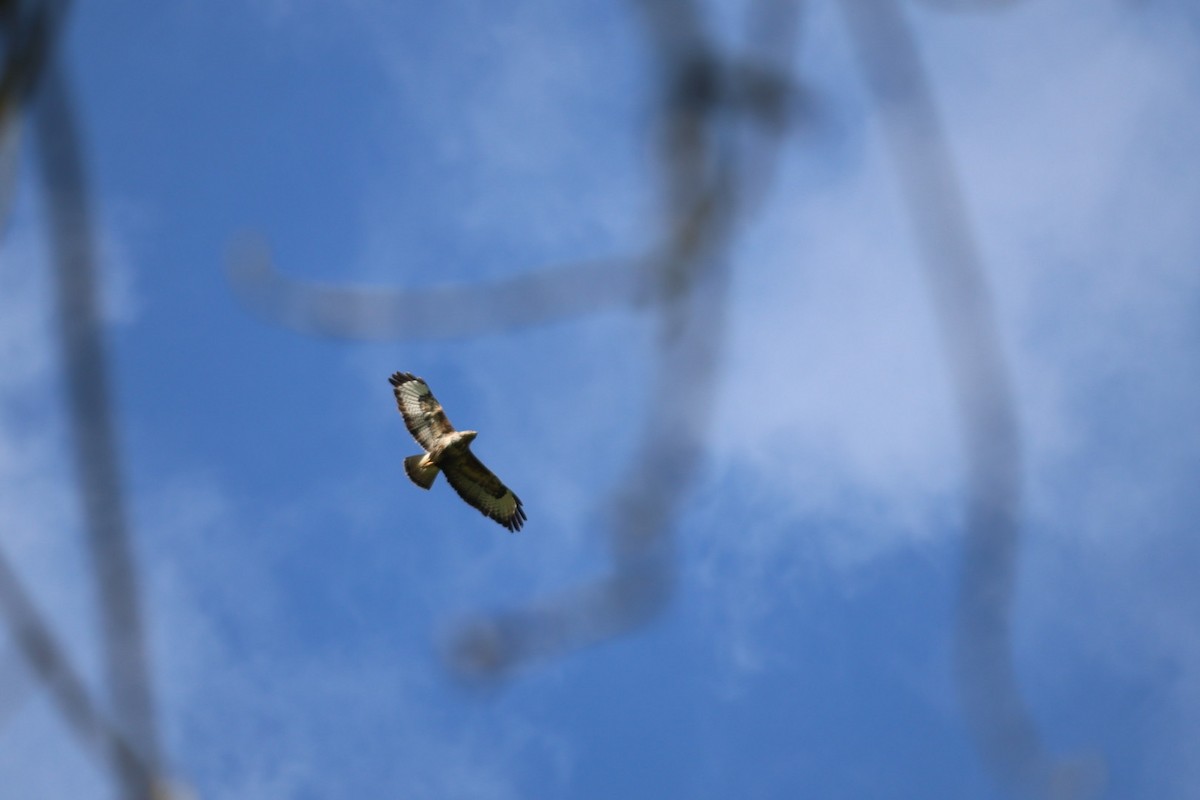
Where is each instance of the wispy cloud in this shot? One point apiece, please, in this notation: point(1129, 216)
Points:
point(1070, 161)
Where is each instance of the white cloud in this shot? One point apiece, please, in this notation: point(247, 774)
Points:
point(1069, 159)
point(1073, 131)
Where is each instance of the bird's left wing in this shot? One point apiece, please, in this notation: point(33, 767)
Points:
point(479, 486)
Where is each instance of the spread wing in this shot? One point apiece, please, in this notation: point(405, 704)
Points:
point(476, 484)
point(423, 414)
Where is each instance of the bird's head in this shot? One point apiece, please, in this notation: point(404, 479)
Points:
point(466, 437)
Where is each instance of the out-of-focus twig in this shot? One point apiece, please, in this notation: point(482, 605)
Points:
point(94, 438)
point(30, 34)
point(439, 312)
point(970, 5)
point(706, 195)
point(699, 86)
point(28, 38)
point(641, 512)
point(997, 714)
point(47, 660)
point(14, 679)
point(10, 137)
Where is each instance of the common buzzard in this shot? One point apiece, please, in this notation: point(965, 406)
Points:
point(449, 451)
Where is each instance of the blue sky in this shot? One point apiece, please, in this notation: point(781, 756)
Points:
point(298, 589)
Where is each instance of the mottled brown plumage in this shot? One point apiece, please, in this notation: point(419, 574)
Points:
point(449, 451)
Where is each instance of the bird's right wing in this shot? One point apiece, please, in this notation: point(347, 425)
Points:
point(423, 414)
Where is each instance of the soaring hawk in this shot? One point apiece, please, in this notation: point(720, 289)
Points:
point(449, 451)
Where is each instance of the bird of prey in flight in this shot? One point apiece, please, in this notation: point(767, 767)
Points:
point(448, 450)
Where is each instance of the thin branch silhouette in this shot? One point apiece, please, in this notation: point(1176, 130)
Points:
point(966, 6)
point(28, 38)
point(94, 436)
point(757, 88)
point(49, 663)
point(30, 78)
point(439, 312)
point(997, 714)
point(706, 197)
point(14, 682)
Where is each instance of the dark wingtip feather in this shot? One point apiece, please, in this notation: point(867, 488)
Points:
point(399, 378)
point(517, 519)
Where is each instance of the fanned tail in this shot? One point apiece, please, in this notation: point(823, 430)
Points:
point(422, 476)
